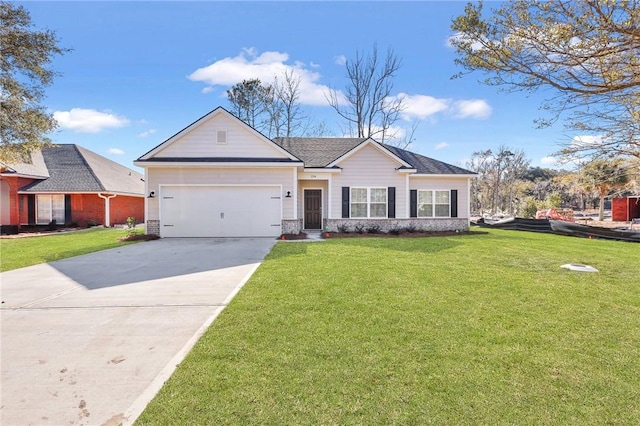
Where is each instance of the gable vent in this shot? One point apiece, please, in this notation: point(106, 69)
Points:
point(221, 136)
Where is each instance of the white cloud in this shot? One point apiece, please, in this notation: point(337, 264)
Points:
point(115, 151)
point(340, 59)
point(423, 106)
point(265, 66)
point(207, 89)
point(460, 37)
point(146, 133)
point(88, 120)
point(441, 145)
point(587, 141)
point(420, 106)
point(548, 160)
point(472, 108)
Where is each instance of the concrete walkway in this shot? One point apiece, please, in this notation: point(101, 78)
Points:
point(89, 340)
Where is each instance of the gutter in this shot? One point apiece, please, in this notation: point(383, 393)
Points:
point(107, 209)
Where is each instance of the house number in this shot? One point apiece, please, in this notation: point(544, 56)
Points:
point(313, 176)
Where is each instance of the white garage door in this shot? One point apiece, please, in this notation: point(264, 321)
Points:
point(220, 211)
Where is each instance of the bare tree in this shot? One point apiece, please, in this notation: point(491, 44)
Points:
point(367, 104)
point(495, 187)
point(290, 119)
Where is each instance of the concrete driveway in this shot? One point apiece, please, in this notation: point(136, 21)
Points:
point(89, 340)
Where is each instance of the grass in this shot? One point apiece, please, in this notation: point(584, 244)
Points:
point(476, 329)
point(20, 252)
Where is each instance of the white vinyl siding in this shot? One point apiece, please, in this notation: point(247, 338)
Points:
point(49, 208)
point(157, 176)
point(434, 203)
point(203, 141)
point(461, 184)
point(369, 168)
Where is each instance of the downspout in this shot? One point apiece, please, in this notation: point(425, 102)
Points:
point(107, 208)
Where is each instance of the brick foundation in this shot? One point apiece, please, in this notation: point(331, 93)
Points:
point(152, 227)
point(386, 225)
point(291, 226)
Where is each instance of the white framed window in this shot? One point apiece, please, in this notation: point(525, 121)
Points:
point(434, 203)
point(368, 202)
point(49, 208)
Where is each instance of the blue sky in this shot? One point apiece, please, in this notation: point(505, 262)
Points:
point(141, 71)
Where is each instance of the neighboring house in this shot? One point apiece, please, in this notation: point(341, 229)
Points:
point(69, 184)
point(219, 177)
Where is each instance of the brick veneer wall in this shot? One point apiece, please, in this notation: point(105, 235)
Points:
point(152, 227)
point(291, 226)
point(87, 208)
point(386, 225)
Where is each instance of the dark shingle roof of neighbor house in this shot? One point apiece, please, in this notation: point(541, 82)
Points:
point(72, 168)
point(320, 152)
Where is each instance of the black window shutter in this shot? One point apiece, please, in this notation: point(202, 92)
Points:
point(67, 208)
point(413, 203)
point(31, 209)
point(454, 203)
point(345, 201)
point(391, 202)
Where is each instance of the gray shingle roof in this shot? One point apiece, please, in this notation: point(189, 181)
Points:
point(72, 168)
point(320, 152)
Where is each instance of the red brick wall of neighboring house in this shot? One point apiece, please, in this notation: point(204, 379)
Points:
point(86, 208)
point(15, 183)
point(123, 207)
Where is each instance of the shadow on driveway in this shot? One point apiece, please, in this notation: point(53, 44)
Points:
point(165, 258)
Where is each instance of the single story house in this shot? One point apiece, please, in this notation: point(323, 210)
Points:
point(69, 184)
point(219, 177)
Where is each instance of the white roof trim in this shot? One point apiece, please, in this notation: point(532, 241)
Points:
point(453, 175)
point(145, 164)
point(376, 145)
point(205, 118)
point(322, 170)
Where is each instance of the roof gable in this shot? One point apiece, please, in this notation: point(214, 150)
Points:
point(372, 143)
point(199, 140)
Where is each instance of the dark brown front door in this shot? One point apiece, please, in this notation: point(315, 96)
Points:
point(312, 209)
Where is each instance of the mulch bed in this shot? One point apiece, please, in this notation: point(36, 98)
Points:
point(327, 235)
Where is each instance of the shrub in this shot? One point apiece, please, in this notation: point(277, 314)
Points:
point(395, 231)
point(359, 228)
point(343, 227)
point(131, 227)
point(373, 229)
point(410, 229)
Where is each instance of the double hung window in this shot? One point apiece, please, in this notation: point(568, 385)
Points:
point(434, 203)
point(368, 202)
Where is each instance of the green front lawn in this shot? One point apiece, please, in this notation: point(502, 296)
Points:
point(20, 252)
point(476, 329)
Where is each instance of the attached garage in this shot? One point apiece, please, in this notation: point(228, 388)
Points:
point(220, 210)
